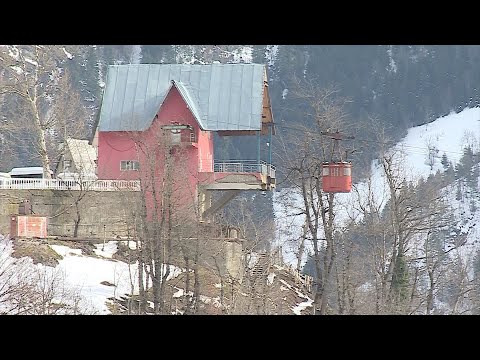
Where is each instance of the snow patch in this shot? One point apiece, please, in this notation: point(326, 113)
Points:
point(106, 251)
point(302, 306)
point(178, 293)
point(69, 56)
point(271, 52)
point(244, 54)
point(136, 54)
point(270, 278)
point(392, 66)
point(208, 300)
point(65, 250)
point(17, 69)
point(30, 61)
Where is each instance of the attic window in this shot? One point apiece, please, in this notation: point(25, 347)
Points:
point(126, 165)
point(176, 137)
point(67, 164)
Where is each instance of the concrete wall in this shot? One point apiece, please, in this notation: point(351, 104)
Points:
point(228, 254)
point(99, 210)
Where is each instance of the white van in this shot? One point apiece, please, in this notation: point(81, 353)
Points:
point(34, 172)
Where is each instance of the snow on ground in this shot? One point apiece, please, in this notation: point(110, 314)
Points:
point(106, 251)
point(297, 309)
point(392, 66)
point(30, 61)
point(131, 244)
point(271, 54)
point(181, 292)
point(65, 250)
point(87, 273)
point(302, 306)
point(467, 223)
point(69, 56)
point(448, 134)
point(244, 54)
point(136, 54)
point(17, 69)
point(13, 51)
point(270, 278)
point(209, 300)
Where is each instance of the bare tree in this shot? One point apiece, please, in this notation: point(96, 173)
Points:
point(166, 213)
point(303, 172)
point(432, 152)
point(31, 82)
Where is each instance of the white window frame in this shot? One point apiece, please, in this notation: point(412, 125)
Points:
point(129, 165)
point(176, 137)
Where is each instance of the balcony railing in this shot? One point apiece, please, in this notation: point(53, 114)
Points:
point(57, 184)
point(244, 166)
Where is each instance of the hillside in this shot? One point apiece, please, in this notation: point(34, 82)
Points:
point(93, 280)
point(435, 166)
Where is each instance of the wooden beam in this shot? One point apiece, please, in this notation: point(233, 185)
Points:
point(220, 203)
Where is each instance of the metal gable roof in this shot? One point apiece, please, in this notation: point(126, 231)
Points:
point(83, 155)
point(220, 96)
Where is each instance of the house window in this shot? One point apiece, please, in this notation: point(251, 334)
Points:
point(126, 165)
point(176, 137)
point(67, 164)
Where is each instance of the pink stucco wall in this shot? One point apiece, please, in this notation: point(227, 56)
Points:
point(146, 147)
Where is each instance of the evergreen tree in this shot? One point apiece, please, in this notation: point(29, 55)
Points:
point(445, 161)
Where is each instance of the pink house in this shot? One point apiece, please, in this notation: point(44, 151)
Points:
point(150, 109)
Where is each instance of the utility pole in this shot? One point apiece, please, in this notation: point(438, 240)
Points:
point(104, 236)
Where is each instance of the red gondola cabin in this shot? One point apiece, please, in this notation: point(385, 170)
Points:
point(337, 177)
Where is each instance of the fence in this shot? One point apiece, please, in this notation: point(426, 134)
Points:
point(244, 166)
point(57, 184)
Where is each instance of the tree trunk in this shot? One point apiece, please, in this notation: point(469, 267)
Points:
point(77, 220)
point(196, 276)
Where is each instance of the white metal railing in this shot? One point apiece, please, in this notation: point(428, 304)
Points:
point(57, 184)
point(271, 171)
point(246, 166)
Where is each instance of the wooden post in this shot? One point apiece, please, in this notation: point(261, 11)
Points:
point(258, 147)
point(270, 131)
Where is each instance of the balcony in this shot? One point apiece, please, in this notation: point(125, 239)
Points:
point(241, 175)
point(244, 166)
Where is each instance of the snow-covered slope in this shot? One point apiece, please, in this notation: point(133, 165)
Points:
point(448, 134)
point(92, 279)
point(420, 153)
